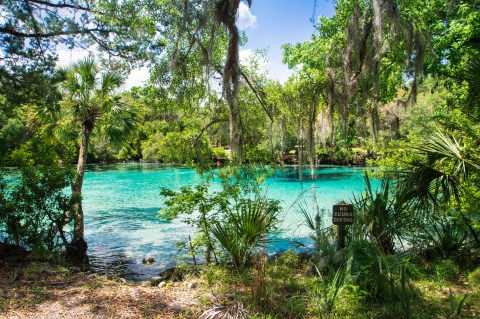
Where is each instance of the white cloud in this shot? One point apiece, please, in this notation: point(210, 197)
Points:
point(137, 77)
point(246, 55)
point(246, 19)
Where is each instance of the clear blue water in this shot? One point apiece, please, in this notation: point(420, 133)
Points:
point(121, 203)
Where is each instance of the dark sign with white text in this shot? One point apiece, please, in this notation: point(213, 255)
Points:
point(342, 214)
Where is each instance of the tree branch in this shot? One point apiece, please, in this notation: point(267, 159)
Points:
point(50, 34)
point(214, 121)
point(257, 95)
point(60, 5)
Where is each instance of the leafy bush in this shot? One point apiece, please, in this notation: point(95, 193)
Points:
point(34, 208)
point(219, 153)
point(444, 236)
point(446, 269)
point(325, 294)
point(237, 215)
point(323, 239)
point(474, 278)
point(257, 155)
point(384, 277)
point(177, 147)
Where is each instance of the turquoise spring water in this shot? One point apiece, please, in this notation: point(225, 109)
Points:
point(121, 203)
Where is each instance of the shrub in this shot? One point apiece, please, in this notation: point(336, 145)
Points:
point(444, 237)
point(257, 155)
point(446, 269)
point(34, 208)
point(474, 278)
point(245, 227)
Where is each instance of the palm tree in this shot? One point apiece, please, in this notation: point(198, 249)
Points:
point(90, 102)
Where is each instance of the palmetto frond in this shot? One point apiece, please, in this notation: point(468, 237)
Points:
point(248, 223)
point(439, 176)
point(224, 311)
point(441, 148)
point(471, 75)
point(110, 81)
point(90, 99)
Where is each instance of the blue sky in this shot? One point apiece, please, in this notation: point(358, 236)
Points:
point(268, 24)
point(278, 22)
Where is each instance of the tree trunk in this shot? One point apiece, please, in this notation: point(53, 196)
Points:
point(311, 136)
point(375, 102)
point(283, 130)
point(300, 149)
point(270, 137)
point(331, 110)
point(231, 74)
point(77, 250)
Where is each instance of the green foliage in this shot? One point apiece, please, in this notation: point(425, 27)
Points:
point(456, 306)
point(323, 250)
point(385, 278)
point(177, 147)
point(219, 153)
point(446, 269)
point(379, 214)
point(326, 293)
point(258, 155)
point(442, 177)
point(277, 277)
point(339, 154)
point(445, 236)
point(237, 210)
point(34, 208)
point(474, 278)
point(245, 227)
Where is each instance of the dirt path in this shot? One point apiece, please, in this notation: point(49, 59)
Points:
point(47, 293)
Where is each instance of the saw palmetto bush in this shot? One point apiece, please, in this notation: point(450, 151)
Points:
point(245, 228)
point(326, 293)
point(321, 245)
point(444, 177)
point(380, 215)
point(444, 236)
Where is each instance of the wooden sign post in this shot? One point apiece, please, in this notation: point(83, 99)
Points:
point(342, 215)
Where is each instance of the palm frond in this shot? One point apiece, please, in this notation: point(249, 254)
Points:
point(471, 75)
point(224, 311)
point(441, 148)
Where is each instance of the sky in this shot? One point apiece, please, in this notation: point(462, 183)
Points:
point(268, 24)
point(277, 22)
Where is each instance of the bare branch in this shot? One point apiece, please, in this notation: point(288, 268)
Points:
point(60, 5)
point(257, 95)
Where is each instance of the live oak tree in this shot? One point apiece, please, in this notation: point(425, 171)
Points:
point(31, 31)
point(204, 38)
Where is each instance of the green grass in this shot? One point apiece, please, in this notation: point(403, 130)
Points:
point(292, 290)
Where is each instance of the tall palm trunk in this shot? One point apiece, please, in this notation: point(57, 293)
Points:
point(78, 247)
